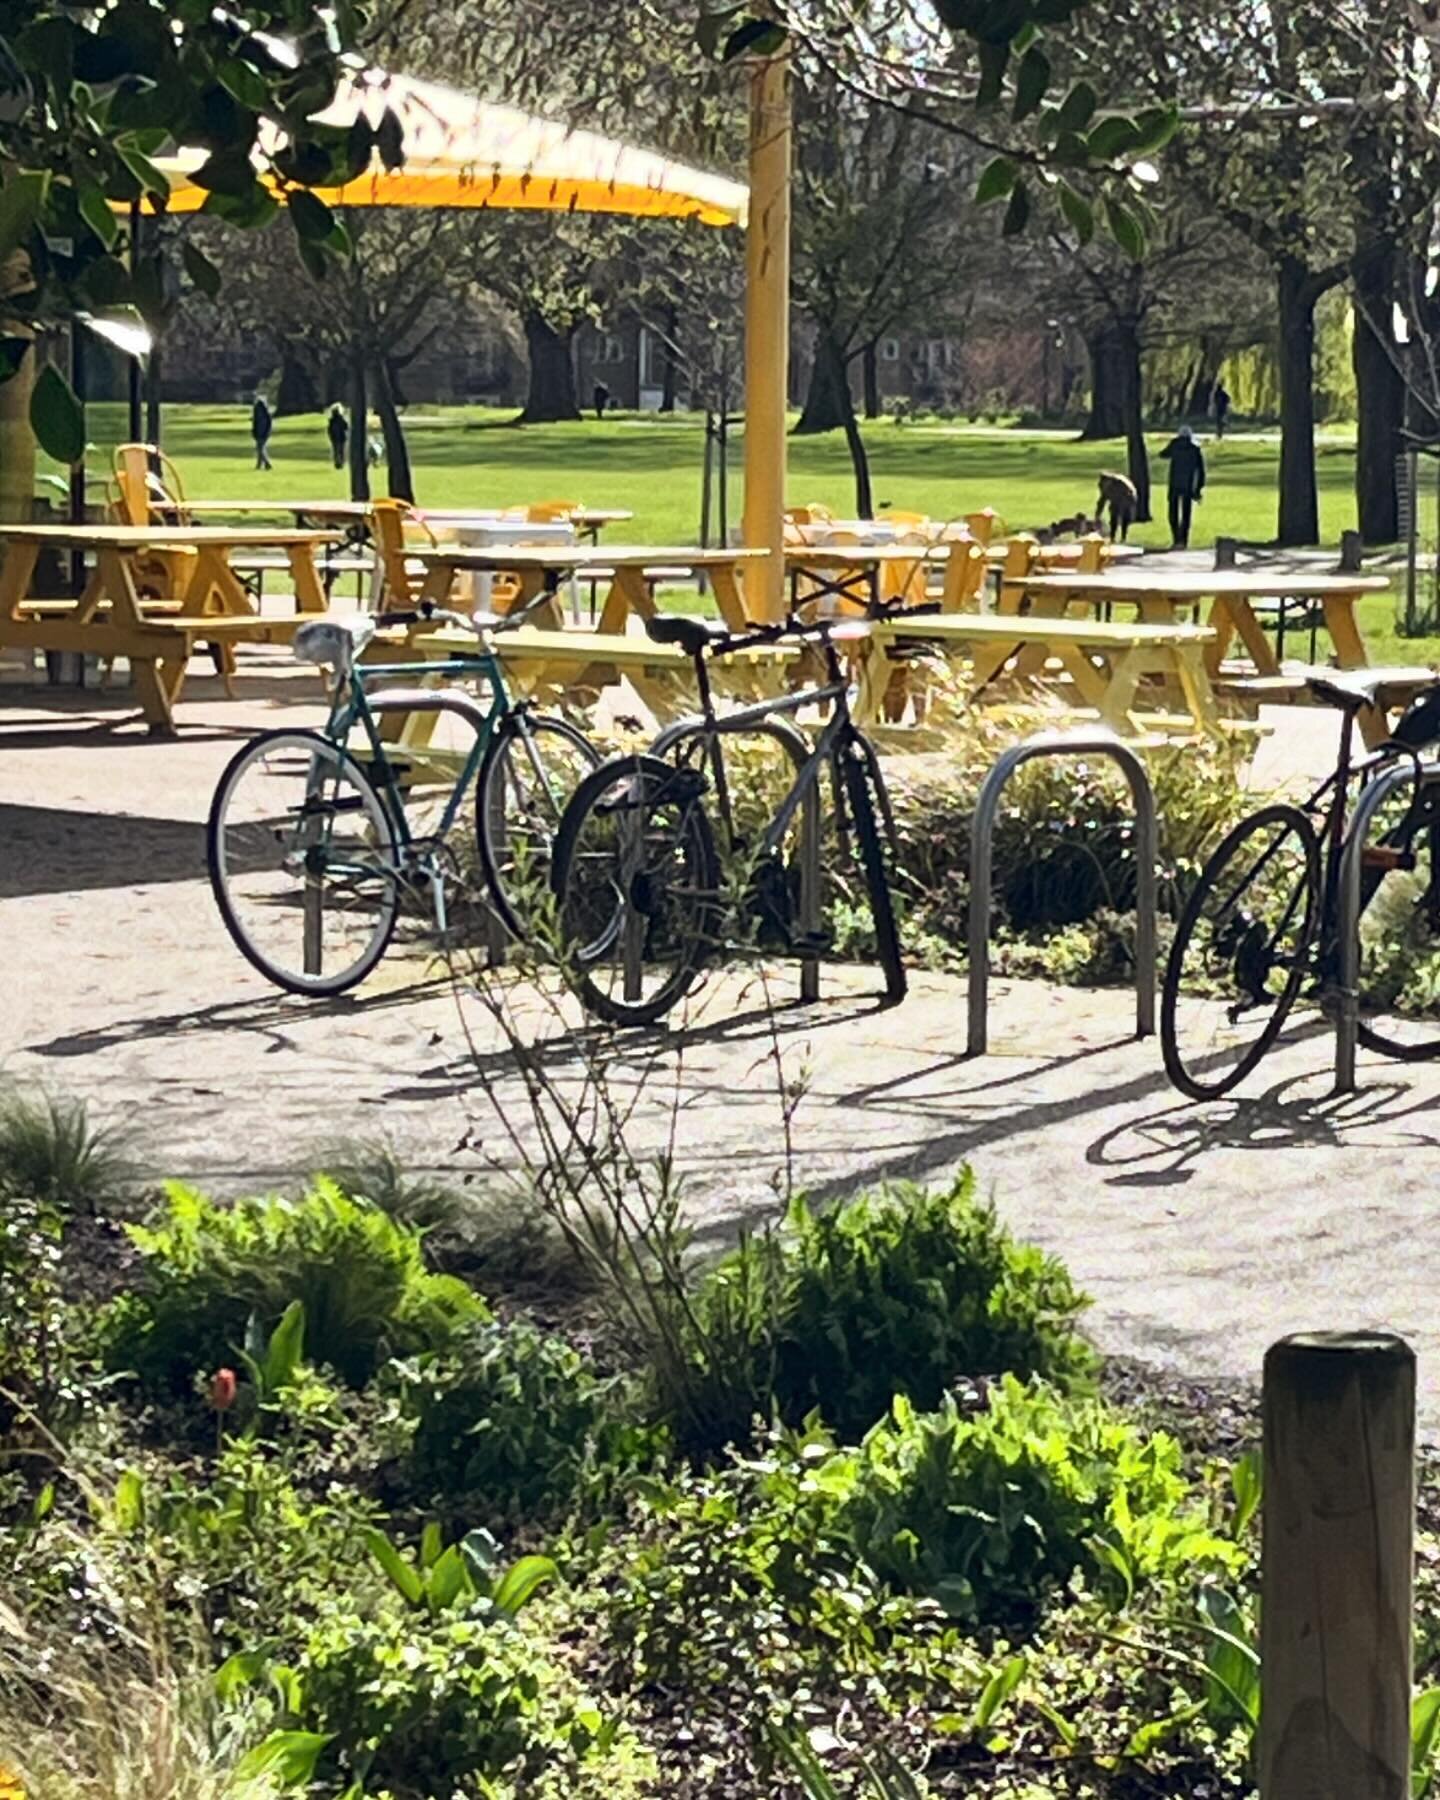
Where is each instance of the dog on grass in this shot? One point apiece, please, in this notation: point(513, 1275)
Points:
point(1119, 498)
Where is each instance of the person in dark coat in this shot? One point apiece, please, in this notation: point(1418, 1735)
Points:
point(1187, 482)
point(337, 429)
point(262, 423)
point(1222, 408)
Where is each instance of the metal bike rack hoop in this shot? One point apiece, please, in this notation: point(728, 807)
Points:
point(1347, 1023)
point(982, 833)
point(790, 736)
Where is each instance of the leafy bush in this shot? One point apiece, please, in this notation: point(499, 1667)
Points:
point(51, 1153)
point(897, 1292)
point(513, 1417)
point(370, 1169)
point(986, 1512)
point(210, 1268)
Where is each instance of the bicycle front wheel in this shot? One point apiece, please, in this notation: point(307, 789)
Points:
point(302, 862)
point(1399, 974)
point(532, 767)
point(1241, 951)
point(867, 819)
point(637, 883)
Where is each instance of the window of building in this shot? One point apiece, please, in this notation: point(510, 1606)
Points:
point(612, 350)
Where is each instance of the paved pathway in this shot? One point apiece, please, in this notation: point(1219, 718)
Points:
point(1203, 1232)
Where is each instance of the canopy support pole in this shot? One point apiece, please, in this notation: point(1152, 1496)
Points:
point(767, 334)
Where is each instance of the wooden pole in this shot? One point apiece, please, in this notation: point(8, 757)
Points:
point(1336, 1604)
point(767, 333)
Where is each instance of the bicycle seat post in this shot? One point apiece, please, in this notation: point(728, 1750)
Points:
point(702, 678)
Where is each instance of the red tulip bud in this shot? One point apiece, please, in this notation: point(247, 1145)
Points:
point(222, 1389)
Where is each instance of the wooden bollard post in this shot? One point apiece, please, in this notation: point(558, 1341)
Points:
point(1335, 1602)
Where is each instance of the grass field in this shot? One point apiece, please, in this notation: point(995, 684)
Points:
point(475, 457)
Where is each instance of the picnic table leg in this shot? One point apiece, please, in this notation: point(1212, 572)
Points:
point(1223, 626)
point(309, 593)
point(629, 593)
point(16, 573)
point(1120, 693)
point(1195, 685)
point(725, 585)
point(1344, 632)
point(153, 691)
point(1242, 617)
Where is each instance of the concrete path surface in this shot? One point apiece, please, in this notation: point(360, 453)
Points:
point(1202, 1231)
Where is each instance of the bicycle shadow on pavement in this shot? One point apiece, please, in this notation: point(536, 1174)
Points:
point(1169, 1148)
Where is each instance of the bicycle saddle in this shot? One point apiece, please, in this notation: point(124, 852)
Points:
point(334, 641)
point(692, 635)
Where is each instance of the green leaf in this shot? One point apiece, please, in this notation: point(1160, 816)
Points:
point(311, 217)
point(401, 1573)
point(1154, 128)
point(286, 1346)
point(390, 140)
point(449, 1580)
point(1245, 1484)
point(994, 60)
point(1126, 229)
point(44, 1502)
point(285, 1757)
point(1031, 80)
point(1057, 1721)
point(712, 28)
point(227, 171)
point(201, 271)
point(1424, 1728)
point(59, 426)
point(1112, 137)
point(106, 283)
point(996, 181)
point(1017, 213)
point(1078, 107)
point(997, 1690)
point(1115, 1558)
point(1071, 151)
point(21, 199)
point(1079, 214)
point(756, 37)
point(129, 1503)
point(793, 1750)
point(96, 211)
point(248, 211)
point(237, 1673)
point(521, 1581)
point(432, 1543)
point(1153, 1732)
point(359, 143)
point(245, 83)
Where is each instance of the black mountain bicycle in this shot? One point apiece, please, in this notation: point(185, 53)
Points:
point(1265, 917)
point(636, 870)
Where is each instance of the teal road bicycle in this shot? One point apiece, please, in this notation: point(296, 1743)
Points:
point(319, 842)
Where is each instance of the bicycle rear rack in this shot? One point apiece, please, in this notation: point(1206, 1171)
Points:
point(982, 833)
point(1347, 924)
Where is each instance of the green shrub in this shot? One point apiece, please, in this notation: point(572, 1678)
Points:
point(211, 1268)
point(988, 1512)
point(370, 1169)
point(900, 1291)
point(513, 1417)
point(51, 1153)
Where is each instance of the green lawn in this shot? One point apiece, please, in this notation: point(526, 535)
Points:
point(474, 457)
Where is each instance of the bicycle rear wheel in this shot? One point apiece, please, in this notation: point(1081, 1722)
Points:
point(1399, 974)
point(637, 881)
point(532, 767)
point(867, 819)
point(1241, 951)
point(302, 862)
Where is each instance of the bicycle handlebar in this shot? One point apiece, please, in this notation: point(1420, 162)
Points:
point(427, 613)
point(820, 629)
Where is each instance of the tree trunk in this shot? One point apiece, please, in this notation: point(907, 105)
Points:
point(1299, 507)
point(359, 432)
point(860, 462)
point(297, 391)
point(1132, 407)
point(670, 379)
point(1380, 397)
point(1107, 384)
point(17, 444)
point(870, 368)
point(827, 400)
point(397, 455)
point(550, 398)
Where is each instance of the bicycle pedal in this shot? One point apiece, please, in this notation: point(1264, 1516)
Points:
point(1381, 856)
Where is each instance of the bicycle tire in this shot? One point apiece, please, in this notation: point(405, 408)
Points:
point(1286, 820)
point(1421, 826)
point(490, 812)
point(861, 777)
point(590, 930)
point(271, 900)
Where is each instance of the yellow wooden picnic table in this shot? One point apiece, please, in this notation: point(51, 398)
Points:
point(1161, 596)
point(1105, 663)
point(633, 571)
point(115, 616)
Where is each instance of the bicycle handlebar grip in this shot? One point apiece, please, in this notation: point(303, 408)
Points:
point(386, 619)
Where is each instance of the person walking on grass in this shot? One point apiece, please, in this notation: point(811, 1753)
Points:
point(1187, 483)
point(337, 429)
point(1222, 408)
point(262, 423)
